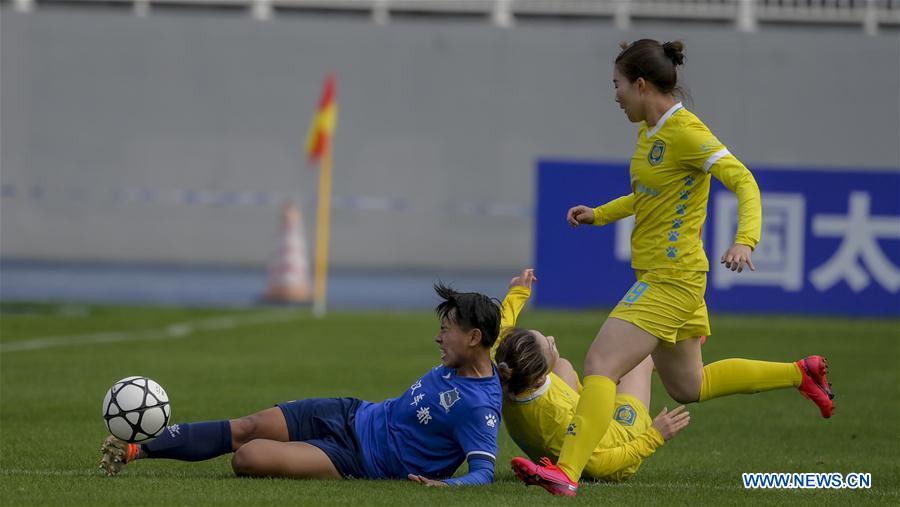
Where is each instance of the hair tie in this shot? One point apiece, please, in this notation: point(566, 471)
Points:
point(503, 365)
point(673, 52)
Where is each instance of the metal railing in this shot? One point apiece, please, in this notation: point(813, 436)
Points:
point(745, 14)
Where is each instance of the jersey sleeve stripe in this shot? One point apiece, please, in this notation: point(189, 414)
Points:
point(715, 158)
point(481, 455)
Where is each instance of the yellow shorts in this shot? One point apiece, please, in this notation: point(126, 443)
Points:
point(667, 303)
point(630, 419)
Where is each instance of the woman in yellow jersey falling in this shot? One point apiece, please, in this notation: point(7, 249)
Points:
point(541, 390)
point(664, 312)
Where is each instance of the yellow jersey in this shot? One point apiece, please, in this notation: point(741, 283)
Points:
point(538, 420)
point(670, 179)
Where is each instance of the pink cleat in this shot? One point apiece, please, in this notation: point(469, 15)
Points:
point(814, 385)
point(546, 475)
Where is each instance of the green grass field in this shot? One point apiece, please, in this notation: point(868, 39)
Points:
point(57, 363)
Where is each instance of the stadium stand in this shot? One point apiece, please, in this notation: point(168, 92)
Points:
point(747, 15)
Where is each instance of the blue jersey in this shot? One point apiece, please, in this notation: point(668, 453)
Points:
point(439, 422)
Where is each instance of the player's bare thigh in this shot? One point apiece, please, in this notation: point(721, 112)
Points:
point(680, 368)
point(268, 424)
point(297, 460)
point(617, 349)
point(637, 382)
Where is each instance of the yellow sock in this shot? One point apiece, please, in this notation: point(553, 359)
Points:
point(746, 376)
point(592, 418)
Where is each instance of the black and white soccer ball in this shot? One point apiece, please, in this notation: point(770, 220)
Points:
point(136, 409)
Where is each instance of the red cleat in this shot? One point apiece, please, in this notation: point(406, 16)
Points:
point(814, 385)
point(546, 475)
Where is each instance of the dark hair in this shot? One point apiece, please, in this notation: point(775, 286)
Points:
point(470, 310)
point(520, 361)
point(654, 62)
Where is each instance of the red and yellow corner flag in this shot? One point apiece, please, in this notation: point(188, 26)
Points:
point(322, 127)
point(318, 149)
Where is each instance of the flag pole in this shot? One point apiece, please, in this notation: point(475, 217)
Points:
point(323, 220)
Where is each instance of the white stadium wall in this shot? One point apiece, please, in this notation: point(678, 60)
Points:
point(173, 138)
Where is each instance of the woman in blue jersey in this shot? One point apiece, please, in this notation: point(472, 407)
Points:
point(448, 416)
point(664, 313)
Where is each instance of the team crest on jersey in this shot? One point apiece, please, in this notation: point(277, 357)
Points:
point(625, 415)
point(448, 398)
point(656, 152)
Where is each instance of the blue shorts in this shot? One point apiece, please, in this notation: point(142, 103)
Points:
point(330, 425)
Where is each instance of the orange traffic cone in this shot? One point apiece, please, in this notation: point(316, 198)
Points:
point(289, 271)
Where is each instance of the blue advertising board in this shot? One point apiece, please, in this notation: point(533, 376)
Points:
point(830, 241)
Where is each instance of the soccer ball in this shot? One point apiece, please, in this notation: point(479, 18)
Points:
point(136, 409)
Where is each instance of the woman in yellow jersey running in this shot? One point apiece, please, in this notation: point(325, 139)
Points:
point(541, 390)
point(664, 312)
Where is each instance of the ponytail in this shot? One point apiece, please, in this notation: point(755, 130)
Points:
point(520, 361)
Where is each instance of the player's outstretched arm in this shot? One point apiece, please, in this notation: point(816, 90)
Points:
point(481, 471)
point(580, 215)
point(425, 481)
point(665, 426)
point(519, 292)
point(738, 256)
point(610, 460)
point(668, 424)
point(608, 213)
point(524, 279)
point(737, 178)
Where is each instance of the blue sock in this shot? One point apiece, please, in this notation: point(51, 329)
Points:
point(191, 441)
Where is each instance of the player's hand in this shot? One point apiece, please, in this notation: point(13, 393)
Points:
point(580, 214)
point(525, 279)
point(737, 256)
point(431, 483)
point(668, 424)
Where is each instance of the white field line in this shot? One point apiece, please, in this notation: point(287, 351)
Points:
point(170, 332)
point(19, 471)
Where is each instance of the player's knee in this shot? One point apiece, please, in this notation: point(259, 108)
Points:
point(247, 460)
point(598, 365)
point(683, 393)
point(243, 430)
